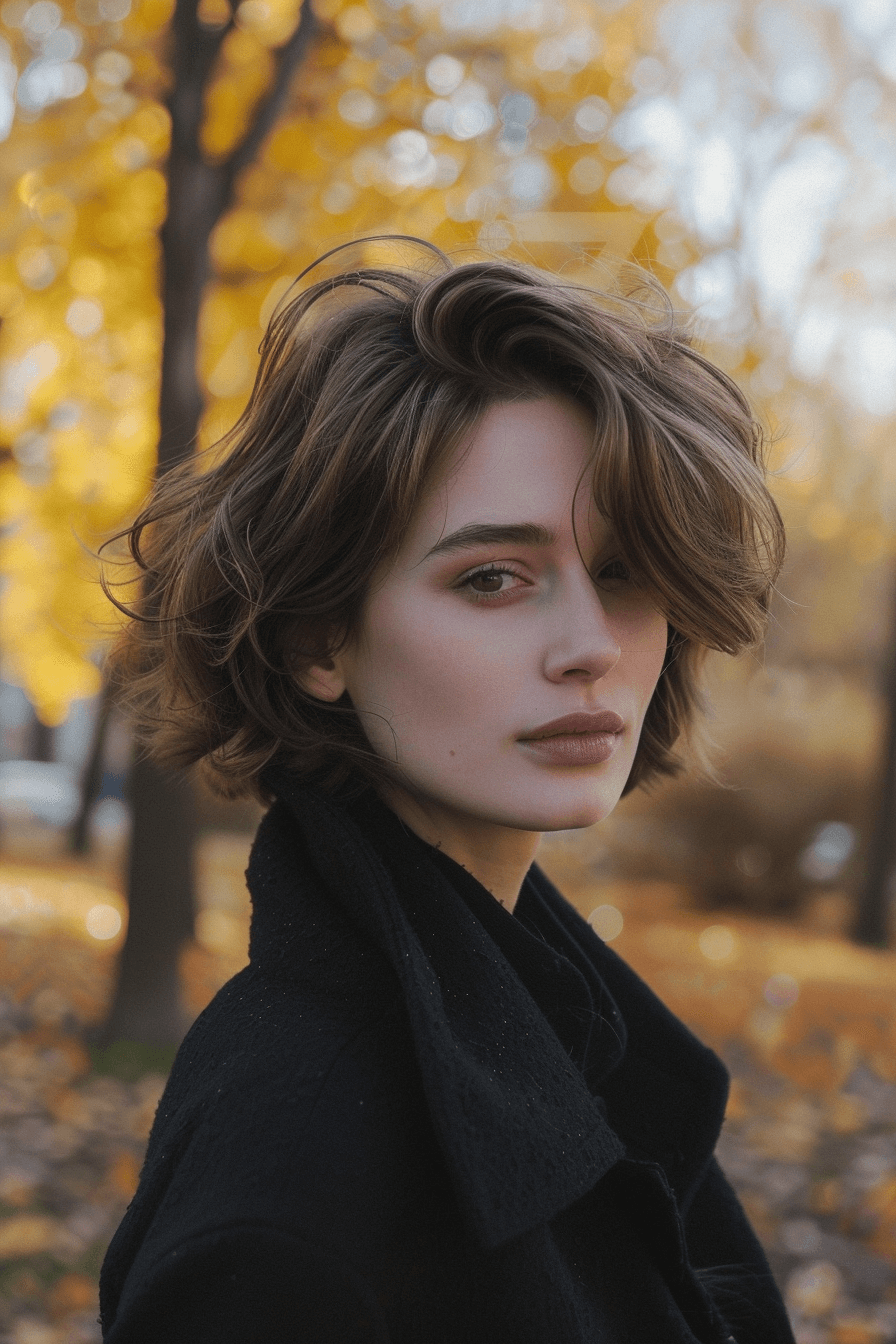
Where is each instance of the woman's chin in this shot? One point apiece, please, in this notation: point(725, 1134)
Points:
point(520, 808)
point(578, 822)
point(575, 817)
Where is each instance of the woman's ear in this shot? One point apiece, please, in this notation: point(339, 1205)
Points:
point(323, 680)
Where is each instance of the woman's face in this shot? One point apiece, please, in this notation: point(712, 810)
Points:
point(487, 626)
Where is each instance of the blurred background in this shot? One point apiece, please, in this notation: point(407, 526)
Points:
point(166, 172)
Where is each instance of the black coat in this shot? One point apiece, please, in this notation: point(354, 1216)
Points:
point(417, 1118)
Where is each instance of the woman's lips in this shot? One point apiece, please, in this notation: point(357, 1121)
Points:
point(583, 721)
point(573, 748)
point(576, 739)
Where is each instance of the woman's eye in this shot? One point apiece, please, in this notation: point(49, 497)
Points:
point(497, 581)
point(489, 582)
point(616, 569)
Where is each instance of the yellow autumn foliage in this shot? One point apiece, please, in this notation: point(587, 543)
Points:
point(27, 1234)
point(407, 120)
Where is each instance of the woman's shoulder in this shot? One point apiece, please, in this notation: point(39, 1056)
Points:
point(262, 1034)
point(286, 1112)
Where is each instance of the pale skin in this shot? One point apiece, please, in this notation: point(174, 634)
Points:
point(463, 651)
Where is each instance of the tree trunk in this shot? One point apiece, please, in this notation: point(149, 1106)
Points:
point(148, 1004)
point(91, 775)
point(42, 746)
point(872, 914)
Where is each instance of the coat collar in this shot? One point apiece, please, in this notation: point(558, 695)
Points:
point(522, 1135)
point(667, 1096)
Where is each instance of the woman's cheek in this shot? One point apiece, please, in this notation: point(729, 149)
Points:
point(416, 660)
point(643, 637)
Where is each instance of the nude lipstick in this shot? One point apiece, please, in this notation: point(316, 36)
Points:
point(576, 739)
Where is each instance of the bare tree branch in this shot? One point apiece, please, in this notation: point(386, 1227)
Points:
point(288, 58)
point(195, 49)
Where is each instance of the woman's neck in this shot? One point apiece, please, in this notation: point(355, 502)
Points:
point(497, 856)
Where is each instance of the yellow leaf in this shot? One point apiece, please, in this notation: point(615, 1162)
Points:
point(27, 1234)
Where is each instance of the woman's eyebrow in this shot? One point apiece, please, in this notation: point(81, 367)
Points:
point(494, 534)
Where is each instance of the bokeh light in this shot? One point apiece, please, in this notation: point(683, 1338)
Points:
point(102, 921)
point(781, 990)
point(718, 943)
point(606, 921)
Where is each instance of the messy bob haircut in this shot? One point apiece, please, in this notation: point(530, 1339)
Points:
point(253, 561)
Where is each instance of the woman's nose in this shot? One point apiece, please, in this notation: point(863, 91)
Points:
point(583, 645)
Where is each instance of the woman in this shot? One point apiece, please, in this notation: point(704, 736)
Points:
point(448, 588)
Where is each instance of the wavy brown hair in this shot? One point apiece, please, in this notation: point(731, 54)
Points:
point(253, 560)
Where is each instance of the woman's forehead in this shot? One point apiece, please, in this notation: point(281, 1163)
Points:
point(523, 464)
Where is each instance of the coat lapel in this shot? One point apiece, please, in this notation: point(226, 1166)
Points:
point(667, 1097)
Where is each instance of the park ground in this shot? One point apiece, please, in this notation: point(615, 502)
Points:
point(806, 1024)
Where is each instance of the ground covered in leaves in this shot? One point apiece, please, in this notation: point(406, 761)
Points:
point(805, 1024)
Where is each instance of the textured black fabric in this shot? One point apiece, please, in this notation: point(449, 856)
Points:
point(417, 1118)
